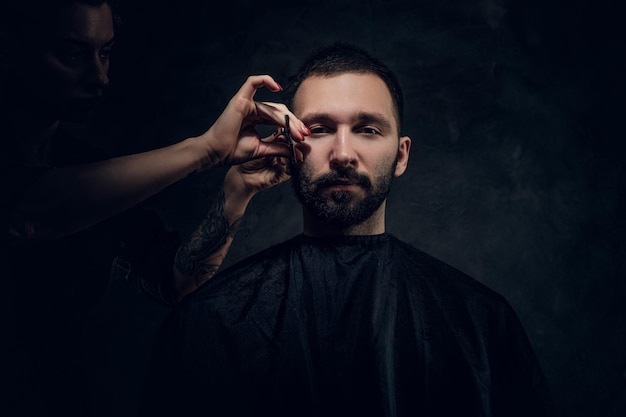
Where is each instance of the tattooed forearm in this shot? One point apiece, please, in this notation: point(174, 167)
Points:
point(198, 257)
point(205, 272)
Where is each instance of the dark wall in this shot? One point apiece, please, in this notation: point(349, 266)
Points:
point(515, 109)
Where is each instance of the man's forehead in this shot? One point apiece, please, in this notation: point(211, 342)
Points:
point(344, 94)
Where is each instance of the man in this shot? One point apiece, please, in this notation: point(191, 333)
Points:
point(68, 210)
point(345, 319)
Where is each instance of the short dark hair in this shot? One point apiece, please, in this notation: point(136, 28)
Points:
point(340, 58)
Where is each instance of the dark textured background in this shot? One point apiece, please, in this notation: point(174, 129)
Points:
point(515, 109)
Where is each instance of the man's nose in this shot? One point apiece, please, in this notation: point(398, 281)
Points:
point(343, 153)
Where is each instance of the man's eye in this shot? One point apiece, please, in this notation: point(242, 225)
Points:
point(318, 130)
point(369, 130)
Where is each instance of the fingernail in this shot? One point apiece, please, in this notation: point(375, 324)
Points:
point(280, 87)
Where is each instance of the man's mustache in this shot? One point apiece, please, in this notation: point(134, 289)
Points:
point(341, 176)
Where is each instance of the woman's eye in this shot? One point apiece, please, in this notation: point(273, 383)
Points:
point(105, 54)
point(69, 54)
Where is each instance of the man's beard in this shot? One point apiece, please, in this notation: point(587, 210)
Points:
point(342, 209)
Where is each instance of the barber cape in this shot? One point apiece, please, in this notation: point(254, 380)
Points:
point(348, 326)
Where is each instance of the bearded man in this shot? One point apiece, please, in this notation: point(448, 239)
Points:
point(345, 319)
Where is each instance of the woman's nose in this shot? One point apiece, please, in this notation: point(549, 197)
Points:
point(98, 73)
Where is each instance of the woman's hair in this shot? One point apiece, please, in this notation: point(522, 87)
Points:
point(23, 22)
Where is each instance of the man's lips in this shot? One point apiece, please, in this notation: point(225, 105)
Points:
point(345, 181)
point(342, 184)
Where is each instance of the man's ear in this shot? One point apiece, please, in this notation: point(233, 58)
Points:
point(404, 147)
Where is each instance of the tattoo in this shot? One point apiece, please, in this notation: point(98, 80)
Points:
point(205, 241)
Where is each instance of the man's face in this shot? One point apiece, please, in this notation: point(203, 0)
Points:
point(354, 150)
point(67, 73)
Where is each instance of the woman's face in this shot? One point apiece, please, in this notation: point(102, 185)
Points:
point(66, 75)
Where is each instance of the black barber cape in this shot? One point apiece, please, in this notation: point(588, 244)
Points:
point(354, 326)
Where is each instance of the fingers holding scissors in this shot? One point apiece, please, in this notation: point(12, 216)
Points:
point(233, 137)
point(283, 134)
point(278, 113)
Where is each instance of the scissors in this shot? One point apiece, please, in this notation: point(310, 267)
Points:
point(287, 132)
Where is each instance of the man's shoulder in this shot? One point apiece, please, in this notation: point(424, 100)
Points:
point(441, 277)
point(264, 258)
point(269, 262)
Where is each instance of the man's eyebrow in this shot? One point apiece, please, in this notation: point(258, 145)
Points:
point(375, 118)
point(363, 117)
point(315, 117)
